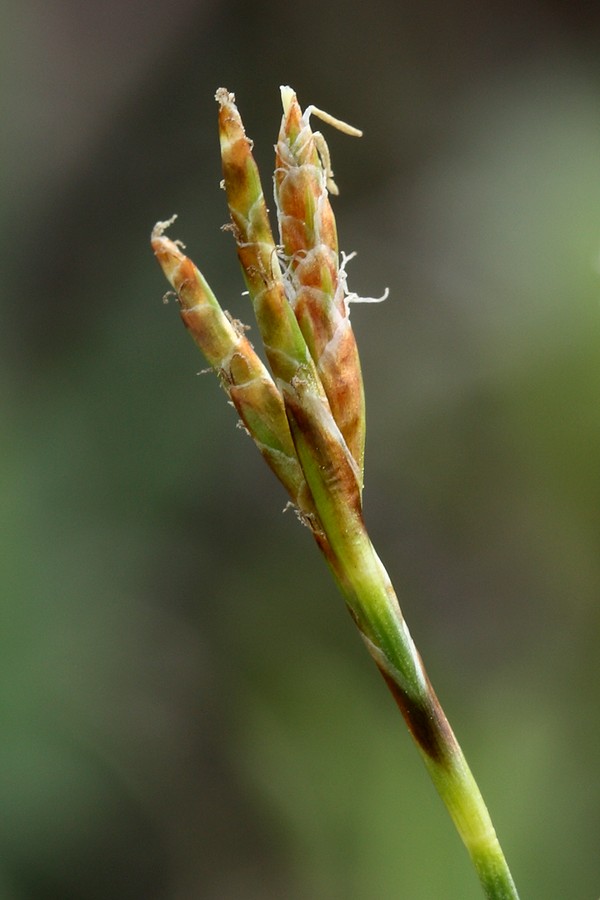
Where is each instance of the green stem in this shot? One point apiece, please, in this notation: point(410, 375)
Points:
point(374, 606)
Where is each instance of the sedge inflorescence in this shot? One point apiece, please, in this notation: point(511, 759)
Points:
point(298, 288)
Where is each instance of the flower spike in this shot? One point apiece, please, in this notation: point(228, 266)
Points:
point(284, 345)
point(243, 375)
point(315, 284)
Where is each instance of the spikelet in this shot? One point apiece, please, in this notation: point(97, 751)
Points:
point(315, 286)
point(283, 341)
point(243, 375)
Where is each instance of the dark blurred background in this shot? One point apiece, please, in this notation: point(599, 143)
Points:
point(186, 710)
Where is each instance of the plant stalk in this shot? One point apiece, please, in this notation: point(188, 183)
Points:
point(374, 607)
point(373, 604)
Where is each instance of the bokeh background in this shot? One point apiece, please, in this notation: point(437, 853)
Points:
point(186, 710)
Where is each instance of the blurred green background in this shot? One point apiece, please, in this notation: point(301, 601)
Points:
point(186, 710)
